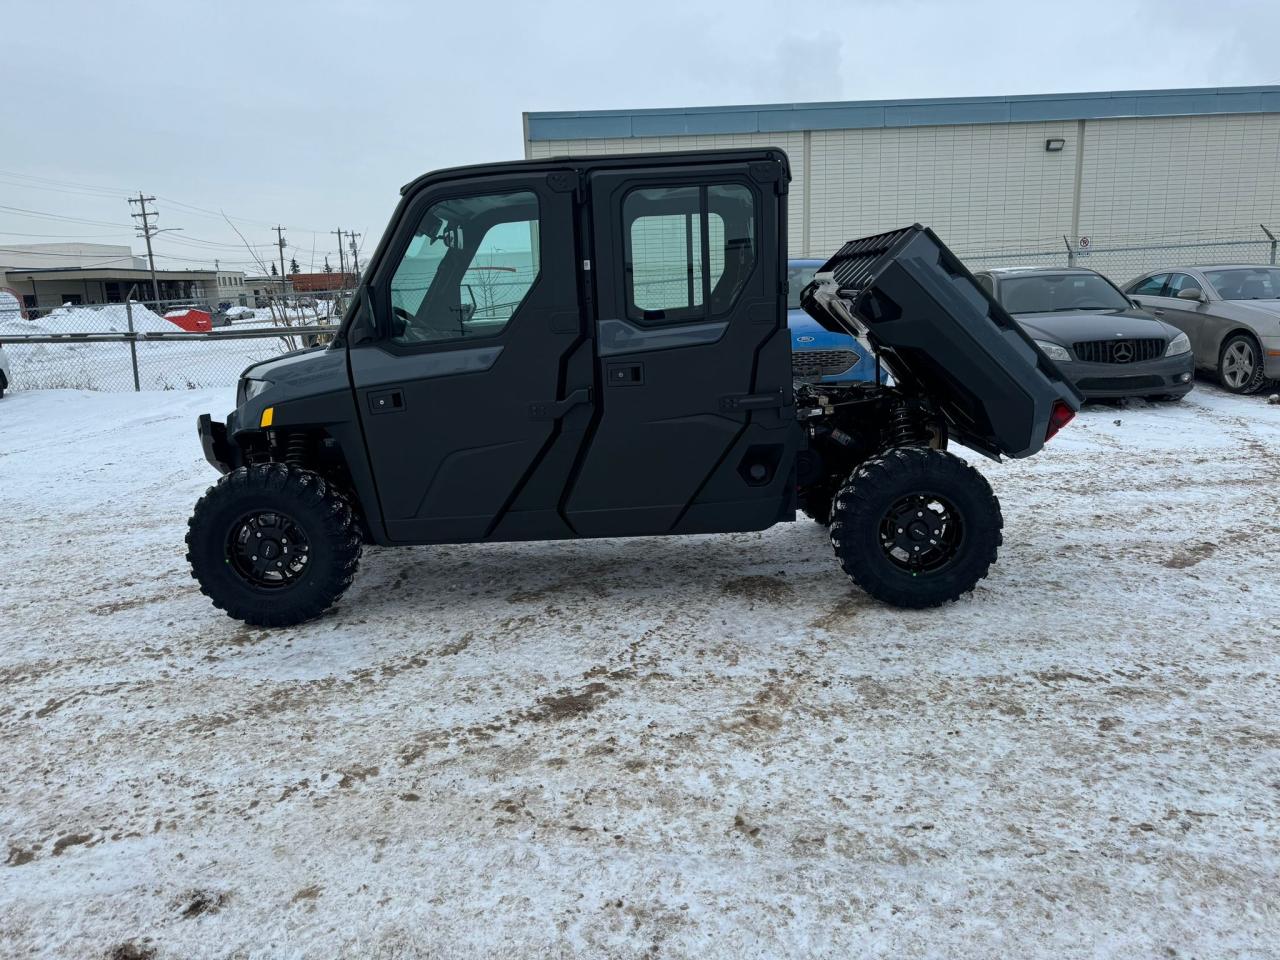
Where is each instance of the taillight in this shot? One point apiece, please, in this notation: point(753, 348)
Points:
point(1059, 417)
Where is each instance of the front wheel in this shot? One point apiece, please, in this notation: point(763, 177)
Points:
point(273, 545)
point(916, 527)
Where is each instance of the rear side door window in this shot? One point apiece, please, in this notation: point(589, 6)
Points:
point(688, 250)
point(1182, 281)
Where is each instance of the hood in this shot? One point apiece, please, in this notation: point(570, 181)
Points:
point(1067, 327)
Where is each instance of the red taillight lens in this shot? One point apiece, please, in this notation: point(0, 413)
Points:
point(1059, 417)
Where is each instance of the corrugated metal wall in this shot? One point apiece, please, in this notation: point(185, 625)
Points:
point(995, 187)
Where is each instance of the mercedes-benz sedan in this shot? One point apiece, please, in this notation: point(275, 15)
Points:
point(1231, 313)
point(1101, 342)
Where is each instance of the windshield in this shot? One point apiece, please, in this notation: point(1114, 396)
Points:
point(1049, 293)
point(797, 279)
point(1246, 283)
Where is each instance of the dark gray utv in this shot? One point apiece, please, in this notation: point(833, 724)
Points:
point(598, 347)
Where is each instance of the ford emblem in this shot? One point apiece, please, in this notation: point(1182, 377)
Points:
point(804, 339)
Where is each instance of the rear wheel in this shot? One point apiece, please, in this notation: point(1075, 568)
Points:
point(273, 545)
point(815, 502)
point(916, 527)
point(1240, 364)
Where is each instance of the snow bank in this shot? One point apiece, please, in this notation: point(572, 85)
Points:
point(105, 318)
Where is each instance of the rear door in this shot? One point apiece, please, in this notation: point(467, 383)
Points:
point(476, 390)
point(694, 427)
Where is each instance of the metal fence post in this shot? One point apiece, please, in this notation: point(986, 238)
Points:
point(1272, 237)
point(133, 340)
point(1071, 254)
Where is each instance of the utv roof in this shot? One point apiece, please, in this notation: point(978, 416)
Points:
point(666, 158)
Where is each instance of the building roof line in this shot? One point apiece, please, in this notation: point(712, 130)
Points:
point(865, 114)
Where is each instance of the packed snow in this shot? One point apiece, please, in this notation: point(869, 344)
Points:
point(698, 747)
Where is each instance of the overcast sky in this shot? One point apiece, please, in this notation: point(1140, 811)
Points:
point(312, 114)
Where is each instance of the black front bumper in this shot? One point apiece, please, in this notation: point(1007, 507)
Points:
point(1166, 376)
point(214, 442)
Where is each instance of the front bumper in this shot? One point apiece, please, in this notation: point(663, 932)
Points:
point(1271, 357)
point(1171, 376)
point(215, 442)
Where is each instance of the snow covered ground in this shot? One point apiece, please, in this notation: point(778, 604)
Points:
point(695, 747)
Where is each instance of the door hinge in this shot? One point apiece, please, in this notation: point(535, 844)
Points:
point(555, 409)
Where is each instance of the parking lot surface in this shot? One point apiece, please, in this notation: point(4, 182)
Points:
point(700, 747)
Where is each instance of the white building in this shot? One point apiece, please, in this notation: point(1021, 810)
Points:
point(993, 175)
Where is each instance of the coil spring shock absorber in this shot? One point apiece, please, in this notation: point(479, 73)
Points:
point(296, 449)
point(906, 429)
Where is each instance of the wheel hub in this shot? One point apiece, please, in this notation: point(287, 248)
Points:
point(268, 549)
point(920, 533)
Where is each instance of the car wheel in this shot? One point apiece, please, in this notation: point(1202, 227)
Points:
point(1240, 364)
point(916, 527)
point(273, 545)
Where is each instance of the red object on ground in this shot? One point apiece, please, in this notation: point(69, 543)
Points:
point(193, 321)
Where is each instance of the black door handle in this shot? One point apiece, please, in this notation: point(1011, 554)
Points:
point(754, 401)
point(386, 401)
point(555, 409)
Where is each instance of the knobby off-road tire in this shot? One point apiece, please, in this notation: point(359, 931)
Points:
point(916, 527)
point(273, 545)
point(815, 502)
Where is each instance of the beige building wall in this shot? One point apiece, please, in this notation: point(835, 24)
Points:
point(993, 189)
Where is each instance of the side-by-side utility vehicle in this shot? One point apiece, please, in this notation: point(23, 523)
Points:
point(598, 347)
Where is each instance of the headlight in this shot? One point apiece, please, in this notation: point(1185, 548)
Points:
point(250, 388)
point(1178, 345)
point(1053, 351)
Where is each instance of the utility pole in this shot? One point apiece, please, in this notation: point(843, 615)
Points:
point(147, 232)
point(355, 256)
point(342, 257)
point(281, 244)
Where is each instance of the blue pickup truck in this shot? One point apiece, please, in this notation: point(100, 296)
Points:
point(818, 355)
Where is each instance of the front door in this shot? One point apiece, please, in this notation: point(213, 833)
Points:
point(476, 391)
point(695, 427)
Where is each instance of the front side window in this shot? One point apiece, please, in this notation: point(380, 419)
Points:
point(471, 263)
point(1150, 287)
point(798, 277)
point(689, 250)
point(1052, 293)
point(1246, 283)
point(1182, 281)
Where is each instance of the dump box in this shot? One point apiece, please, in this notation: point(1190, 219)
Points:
point(940, 335)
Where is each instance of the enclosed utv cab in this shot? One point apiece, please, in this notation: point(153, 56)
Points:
point(597, 347)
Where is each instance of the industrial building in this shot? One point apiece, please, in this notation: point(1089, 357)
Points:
point(992, 175)
point(51, 274)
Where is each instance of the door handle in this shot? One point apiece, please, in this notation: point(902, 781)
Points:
point(555, 409)
point(1158, 312)
point(386, 401)
point(753, 401)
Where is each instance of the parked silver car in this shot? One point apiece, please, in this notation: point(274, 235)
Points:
point(1231, 313)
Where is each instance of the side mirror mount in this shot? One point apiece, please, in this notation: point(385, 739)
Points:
point(1191, 293)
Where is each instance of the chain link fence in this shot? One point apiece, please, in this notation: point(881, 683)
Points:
point(1122, 259)
point(191, 344)
point(157, 345)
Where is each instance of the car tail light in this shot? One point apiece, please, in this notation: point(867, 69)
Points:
point(1059, 417)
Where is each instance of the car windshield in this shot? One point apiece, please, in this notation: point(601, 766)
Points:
point(797, 279)
point(1246, 283)
point(1050, 293)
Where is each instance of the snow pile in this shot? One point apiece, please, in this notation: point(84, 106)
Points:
point(105, 318)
